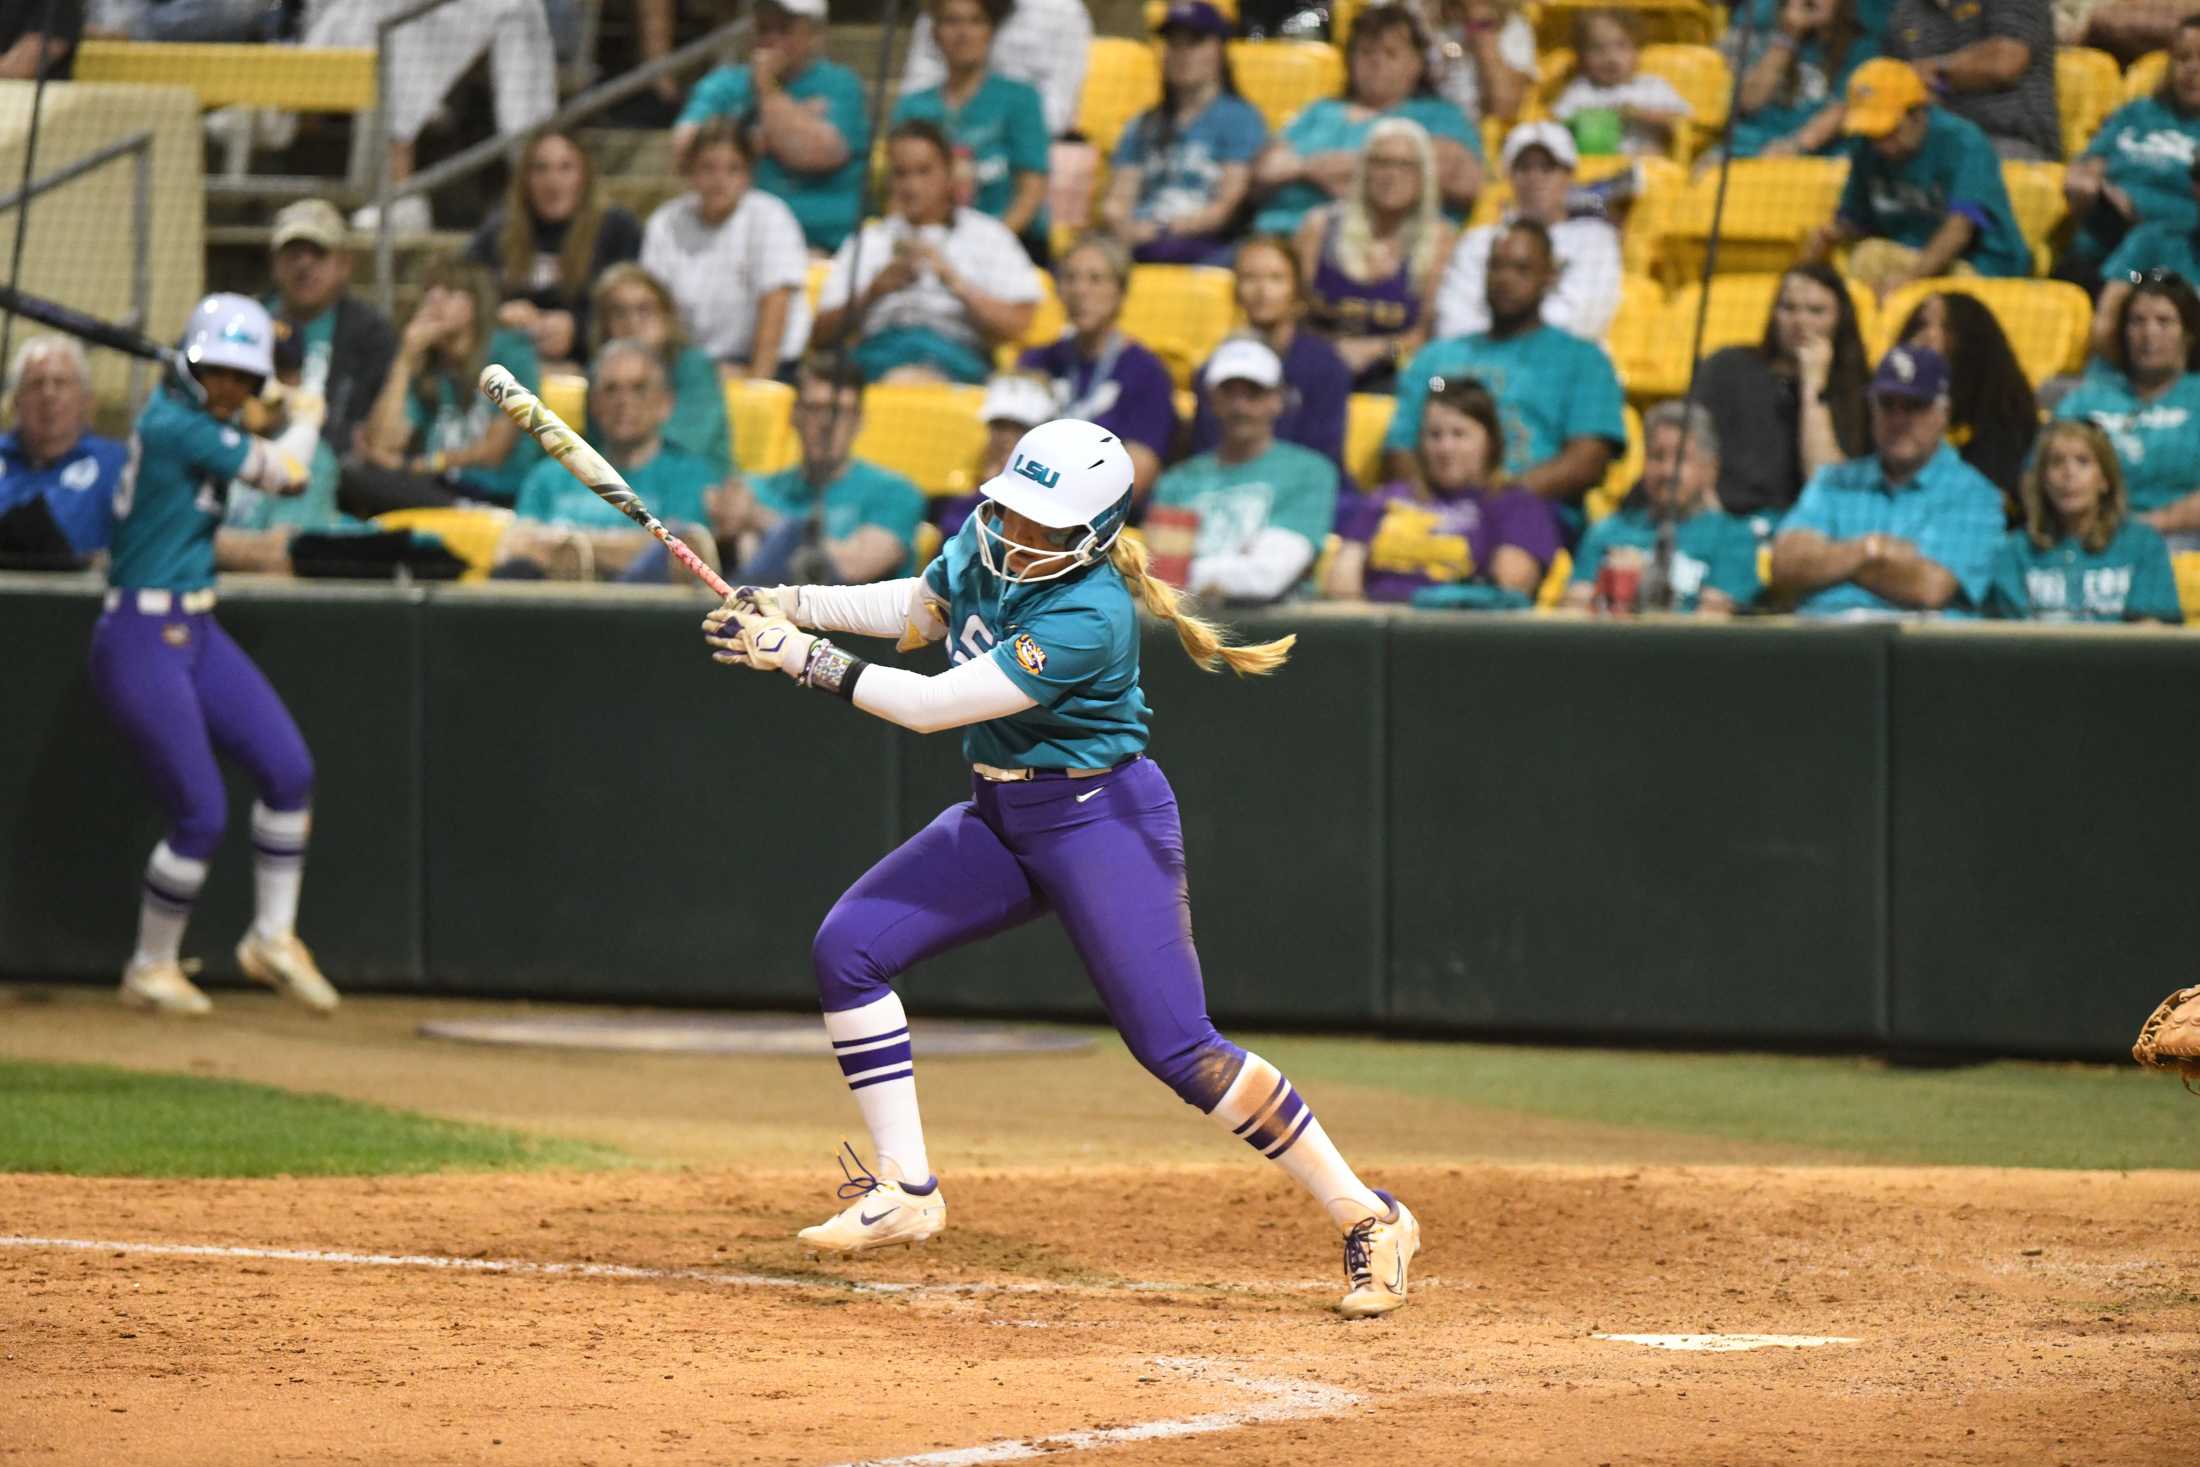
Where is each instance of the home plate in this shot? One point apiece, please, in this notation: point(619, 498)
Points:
point(1719, 1344)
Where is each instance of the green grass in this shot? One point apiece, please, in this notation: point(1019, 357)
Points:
point(90, 1120)
point(2006, 1113)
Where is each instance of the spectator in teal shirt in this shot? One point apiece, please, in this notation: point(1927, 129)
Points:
point(1909, 527)
point(2079, 555)
point(808, 128)
point(1925, 195)
point(1558, 393)
point(1388, 76)
point(1793, 75)
point(2145, 394)
point(1714, 566)
point(2134, 177)
point(831, 519)
point(998, 126)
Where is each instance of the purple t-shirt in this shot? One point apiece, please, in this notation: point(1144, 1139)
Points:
point(1125, 389)
point(1446, 540)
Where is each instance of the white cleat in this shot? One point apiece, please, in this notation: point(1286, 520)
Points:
point(1376, 1255)
point(883, 1215)
point(286, 965)
point(163, 988)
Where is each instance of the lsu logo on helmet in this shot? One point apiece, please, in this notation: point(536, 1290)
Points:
point(1037, 472)
point(1029, 654)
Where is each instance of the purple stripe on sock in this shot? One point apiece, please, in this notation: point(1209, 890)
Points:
point(1305, 1119)
point(874, 1059)
point(1278, 1123)
point(1262, 1108)
point(160, 893)
point(872, 1039)
point(931, 1185)
point(277, 848)
point(907, 1073)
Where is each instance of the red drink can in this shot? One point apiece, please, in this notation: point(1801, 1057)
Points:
point(1619, 583)
point(1171, 535)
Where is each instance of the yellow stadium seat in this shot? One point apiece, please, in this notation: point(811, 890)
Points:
point(293, 78)
point(2185, 565)
point(1047, 323)
point(1740, 307)
point(1621, 477)
point(813, 285)
point(1552, 589)
point(1772, 206)
point(931, 434)
point(2036, 197)
point(2088, 86)
point(470, 532)
point(1366, 420)
point(1187, 406)
point(2146, 75)
point(566, 394)
point(1122, 79)
point(1681, 22)
point(2046, 321)
point(1180, 312)
point(761, 414)
point(1634, 342)
point(1281, 77)
point(926, 547)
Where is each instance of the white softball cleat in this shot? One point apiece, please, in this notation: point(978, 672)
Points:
point(883, 1215)
point(1377, 1253)
point(286, 965)
point(164, 988)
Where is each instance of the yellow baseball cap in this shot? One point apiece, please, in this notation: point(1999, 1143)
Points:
point(1881, 93)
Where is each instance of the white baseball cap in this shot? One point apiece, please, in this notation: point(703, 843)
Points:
point(1552, 137)
point(814, 9)
point(1244, 360)
point(1016, 397)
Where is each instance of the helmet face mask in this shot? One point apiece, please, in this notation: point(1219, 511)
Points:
point(1071, 481)
point(1061, 552)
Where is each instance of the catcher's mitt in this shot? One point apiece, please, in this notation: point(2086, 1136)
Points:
point(2170, 1038)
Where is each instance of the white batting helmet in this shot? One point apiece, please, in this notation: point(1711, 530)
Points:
point(1069, 476)
point(231, 331)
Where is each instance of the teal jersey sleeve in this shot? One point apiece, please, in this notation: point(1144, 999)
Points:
point(844, 110)
point(2153, 580)
point(195, 441)
point(891, 503)
point(1813, 507)
point(1594, 402)
point(541, 491)
point(1734, 560)
point(677, 482)
point(1306, 493)
point(724, 92)
point(1315, 127)
point(2006, 597)
point(1404, 433)
point(1058, 651)
point(1030, 145)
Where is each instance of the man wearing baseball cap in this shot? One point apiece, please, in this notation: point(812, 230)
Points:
point(346, 344)
point(1539, 159)
point(1925, 195)
point(1907, 528)
point(1264, 506)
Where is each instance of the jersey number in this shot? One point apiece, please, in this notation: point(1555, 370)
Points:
point(977, 640)
point(126, 483)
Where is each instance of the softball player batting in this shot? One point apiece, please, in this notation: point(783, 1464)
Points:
point(176, 685)
point(1035, 597)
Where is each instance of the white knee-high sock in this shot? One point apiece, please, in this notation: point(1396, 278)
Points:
point(872, 1045)
point(1264, 1108)
point(278, 867)
point(171, 887)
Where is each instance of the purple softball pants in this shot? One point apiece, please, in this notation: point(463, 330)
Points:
point(1105, 855)
point(181, 691)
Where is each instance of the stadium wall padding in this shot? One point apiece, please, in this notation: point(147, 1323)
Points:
point(1851, 836)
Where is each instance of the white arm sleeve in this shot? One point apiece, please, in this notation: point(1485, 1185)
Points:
point(1264, 571)
point(880, 609)
point(970, 692)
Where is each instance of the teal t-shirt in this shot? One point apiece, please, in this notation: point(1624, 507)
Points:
point(864, 494)
point(456, 416)
point(172, 493)
point(2157, 442)
point(1551, 387)
point(1710, 548)
point(1071, 644)
point(1334, 125)
point(825, 204)
point(2128, 580)
point(1286, 488)
point(1954, 171)
point(1816, 82)
point(2149, 150)
point(698, 424)
point(672, 484)
point(2155, 247)
point(1003, 127)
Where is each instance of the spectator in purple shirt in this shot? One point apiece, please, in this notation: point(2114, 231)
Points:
point(1394, 541)
point(1100, 374)
point(1272, 296)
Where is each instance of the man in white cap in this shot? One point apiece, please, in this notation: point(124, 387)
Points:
point(1264, 506)
point(1539, 159)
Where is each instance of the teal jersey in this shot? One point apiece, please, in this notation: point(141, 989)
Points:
point(1334, 125)
point(1003, 130)
point(1954, 171)
point(456, 416)
point(672, 484)
point(1711, 548)
point(1286, 488)
point(1551, 387)
point(825, 204)
point(2157, 442)
point(1072, 644)
point(2127, 580)
point(2149, 151)
point(2155, 247)
point(864, 494)
point(172, 494)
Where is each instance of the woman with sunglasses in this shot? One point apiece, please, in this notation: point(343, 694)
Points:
point(2145, 395)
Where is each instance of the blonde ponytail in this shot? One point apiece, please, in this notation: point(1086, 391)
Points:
point(1202, 639)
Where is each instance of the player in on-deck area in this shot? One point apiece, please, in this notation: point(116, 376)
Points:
point(1036, 598)
point(175, 684)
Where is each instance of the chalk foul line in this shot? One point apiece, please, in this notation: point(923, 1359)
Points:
point(1280, 1400)
point(1726, 1344)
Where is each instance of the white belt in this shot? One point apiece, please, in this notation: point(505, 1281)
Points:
point(999, 775)
point(162, 603)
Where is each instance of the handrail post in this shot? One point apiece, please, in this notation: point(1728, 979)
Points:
point(141, 267)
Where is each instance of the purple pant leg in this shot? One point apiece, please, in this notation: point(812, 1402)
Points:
point(146, 681)
point(1108, 856)
point(951, 883)
point(249, 723)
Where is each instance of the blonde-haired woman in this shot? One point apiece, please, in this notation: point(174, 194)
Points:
point(2079, 555)
point(548, 241)
point(1036, 599)
point(1372, 259)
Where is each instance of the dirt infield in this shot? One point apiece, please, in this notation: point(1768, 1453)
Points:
point(1102, 1306)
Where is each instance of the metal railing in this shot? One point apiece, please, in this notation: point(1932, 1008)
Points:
point(138, 148)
